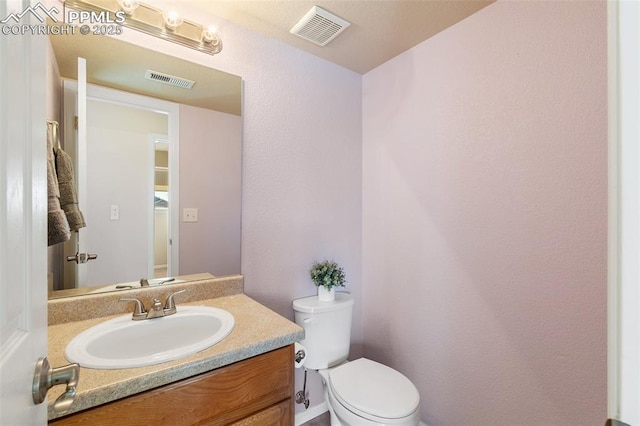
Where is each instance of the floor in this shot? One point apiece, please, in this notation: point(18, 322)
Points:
point(321, 420)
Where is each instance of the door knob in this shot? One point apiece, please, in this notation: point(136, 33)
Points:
point(82, 257)
point(46, 377)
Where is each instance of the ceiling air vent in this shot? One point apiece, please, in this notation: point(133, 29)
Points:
point(169, 79)
point(319, 26)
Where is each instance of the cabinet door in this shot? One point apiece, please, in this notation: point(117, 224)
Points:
point(260, 387)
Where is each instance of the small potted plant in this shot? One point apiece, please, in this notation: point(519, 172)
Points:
point(327, 276)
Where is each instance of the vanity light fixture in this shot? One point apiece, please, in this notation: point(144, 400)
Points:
point(156, 22)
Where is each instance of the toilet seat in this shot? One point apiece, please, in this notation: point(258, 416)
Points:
point(373, 390)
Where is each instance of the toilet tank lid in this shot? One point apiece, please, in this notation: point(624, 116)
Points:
point(312, 305)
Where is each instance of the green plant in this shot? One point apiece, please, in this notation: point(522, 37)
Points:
point(327, 274)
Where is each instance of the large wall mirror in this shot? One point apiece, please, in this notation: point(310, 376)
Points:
point(158, 173)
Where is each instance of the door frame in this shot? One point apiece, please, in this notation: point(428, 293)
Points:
point(623, 276)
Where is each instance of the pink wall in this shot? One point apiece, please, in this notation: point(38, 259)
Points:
point(302, 178)
point(484, 216)
point(210, 170)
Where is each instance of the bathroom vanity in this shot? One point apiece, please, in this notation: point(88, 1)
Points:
point(247, 378)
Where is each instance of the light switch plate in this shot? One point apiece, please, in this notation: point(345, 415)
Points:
point(115, 212)
point(190, 214)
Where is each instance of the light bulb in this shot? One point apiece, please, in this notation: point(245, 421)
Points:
point(172, 20)
point(128, 6)
point(209, 35)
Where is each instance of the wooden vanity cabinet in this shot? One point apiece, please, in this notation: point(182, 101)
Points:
point(256, 391)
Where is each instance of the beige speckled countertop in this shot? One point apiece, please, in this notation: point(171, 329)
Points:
point(257, 330)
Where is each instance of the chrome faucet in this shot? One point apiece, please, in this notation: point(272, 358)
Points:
point(157, 310)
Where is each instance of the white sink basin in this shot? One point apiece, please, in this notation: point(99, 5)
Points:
point(124, 343)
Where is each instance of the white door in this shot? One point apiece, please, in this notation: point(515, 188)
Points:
point(23, 219)
point(75, 145)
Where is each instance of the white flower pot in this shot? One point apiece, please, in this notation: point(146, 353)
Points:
point(325, 295)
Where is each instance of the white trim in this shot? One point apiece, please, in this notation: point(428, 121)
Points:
point(311, 413)
point(613, 279)
point(174, 211)
point(173, 134)
point(151, 216)
point(624, 223)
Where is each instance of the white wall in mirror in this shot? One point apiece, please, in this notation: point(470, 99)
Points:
point(117, 155)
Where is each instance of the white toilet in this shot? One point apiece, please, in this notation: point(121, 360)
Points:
point(360, 392)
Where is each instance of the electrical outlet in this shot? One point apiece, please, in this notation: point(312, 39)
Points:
point(115, 212)
point(190, 214)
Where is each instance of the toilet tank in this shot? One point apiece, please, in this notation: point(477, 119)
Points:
point(327, 328)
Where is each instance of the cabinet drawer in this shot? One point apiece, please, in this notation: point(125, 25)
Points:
point(276, 415)
point(218, 397)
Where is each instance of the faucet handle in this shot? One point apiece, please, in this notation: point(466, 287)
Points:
point(170, 304)
point(139, 310)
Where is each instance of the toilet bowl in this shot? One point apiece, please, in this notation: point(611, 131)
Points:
point(360, 392)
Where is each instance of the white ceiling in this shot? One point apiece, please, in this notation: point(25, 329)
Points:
point(379, 31)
